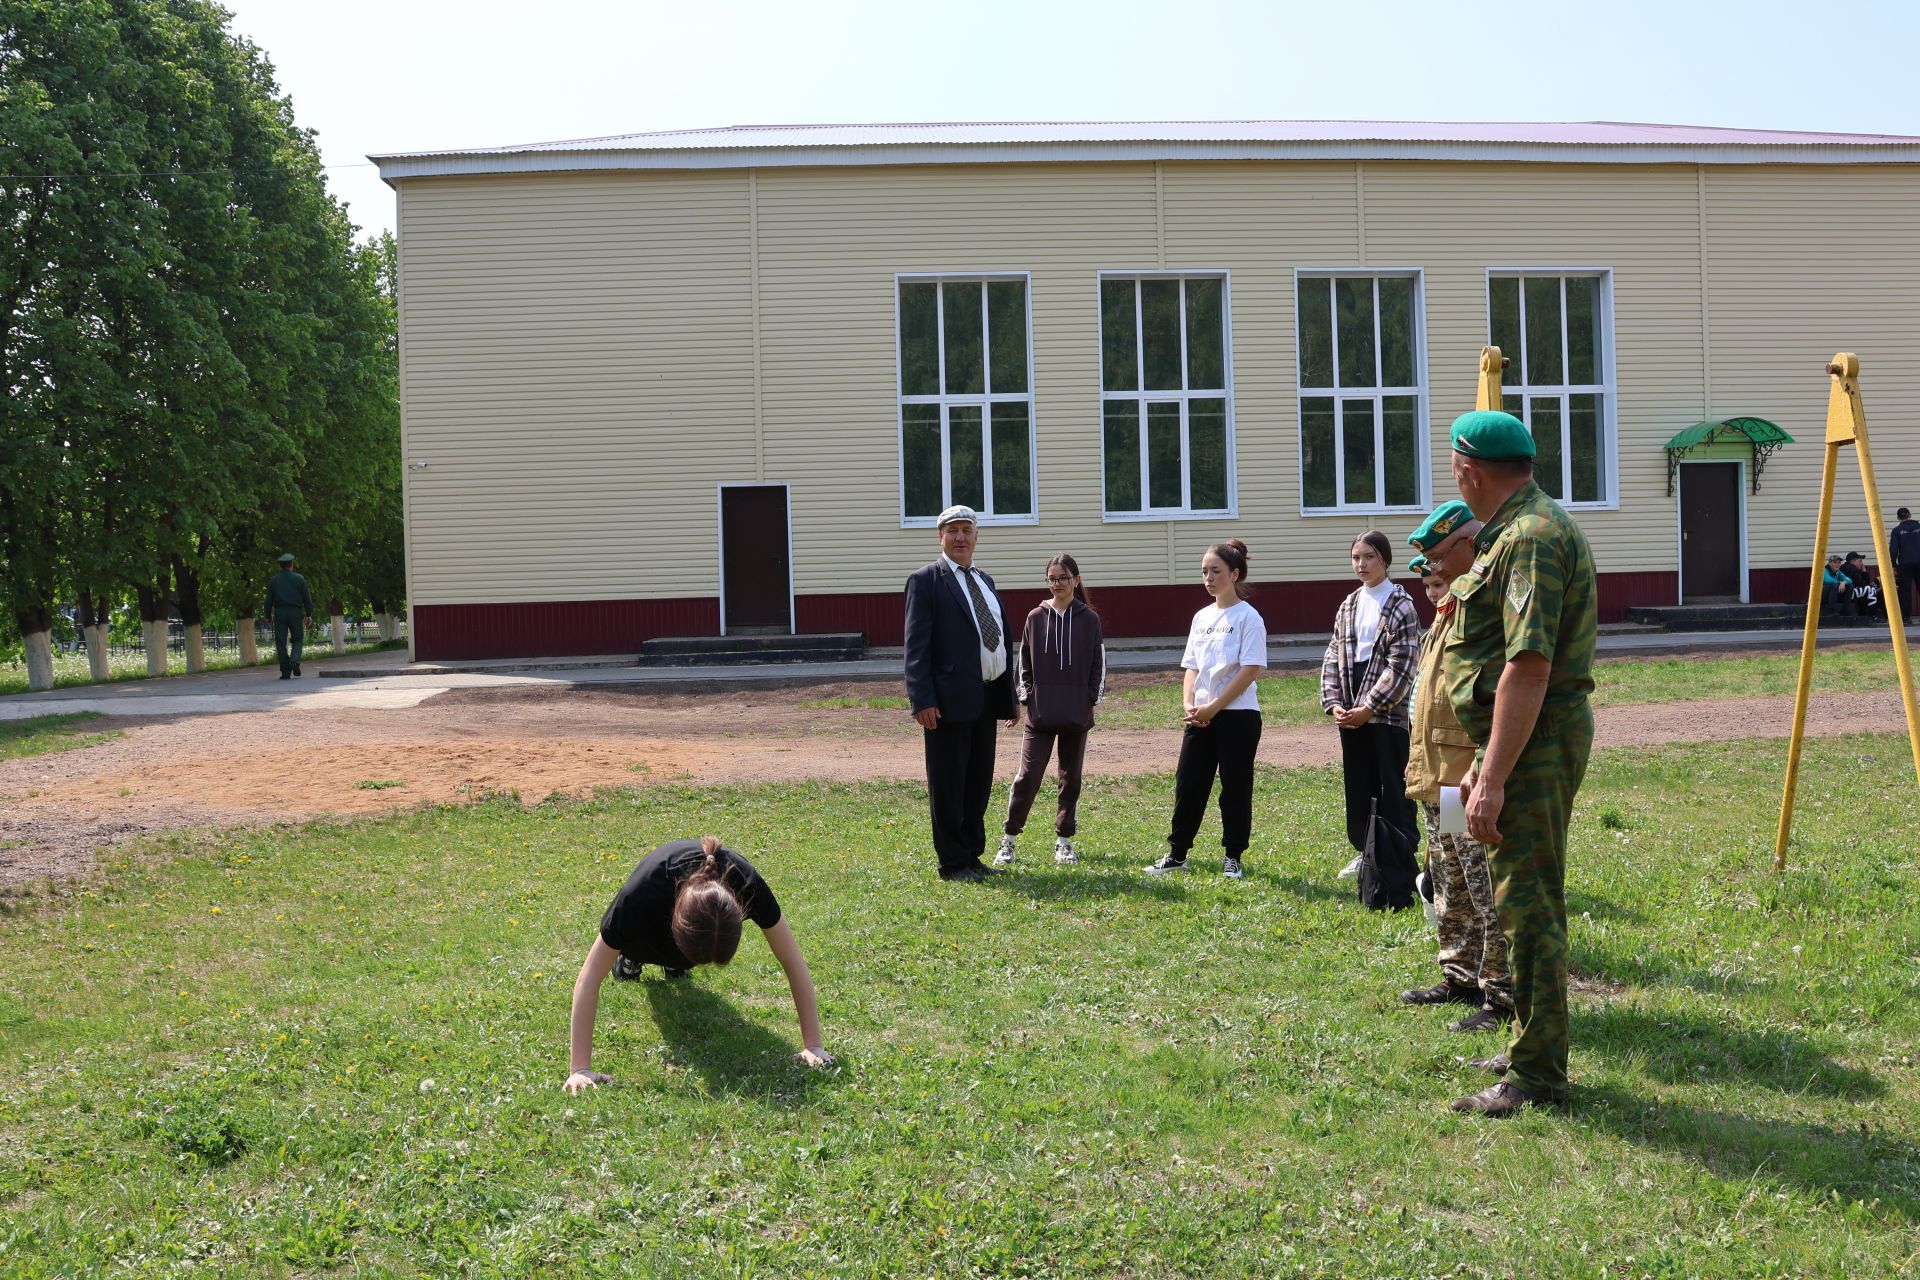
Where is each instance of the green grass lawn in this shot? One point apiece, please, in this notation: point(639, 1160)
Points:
point(338, 1051)
point(70, 669)
point(43, 735)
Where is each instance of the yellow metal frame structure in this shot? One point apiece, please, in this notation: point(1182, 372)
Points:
point(1846, 425)
point(1492, 365)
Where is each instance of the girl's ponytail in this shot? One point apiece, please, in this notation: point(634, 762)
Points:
point(706, 912)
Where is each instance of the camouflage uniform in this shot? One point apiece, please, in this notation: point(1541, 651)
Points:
point(1473, 950)
point(1531, 589)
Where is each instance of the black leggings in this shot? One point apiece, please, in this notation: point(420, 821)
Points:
point(1227, 747)
point(1375, 757)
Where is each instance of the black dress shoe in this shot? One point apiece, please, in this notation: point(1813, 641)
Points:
point(964, 873)
point(1445, 993)
point(1497, 1103)
point(1481, 1020)
point(296, 668)
point(286, 675)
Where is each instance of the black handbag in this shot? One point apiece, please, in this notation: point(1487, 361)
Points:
point(1387, 868)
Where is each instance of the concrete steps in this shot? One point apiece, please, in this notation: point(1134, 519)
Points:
point(729, 651)
point(1738, 617)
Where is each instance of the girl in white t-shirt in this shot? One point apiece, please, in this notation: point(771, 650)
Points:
point(1226, 651)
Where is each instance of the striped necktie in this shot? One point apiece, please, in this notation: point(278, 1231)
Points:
point(989, 630)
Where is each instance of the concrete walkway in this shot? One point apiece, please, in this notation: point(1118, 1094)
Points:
point(387, 681)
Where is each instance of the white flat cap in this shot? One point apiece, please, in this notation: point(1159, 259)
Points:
point(955, 514)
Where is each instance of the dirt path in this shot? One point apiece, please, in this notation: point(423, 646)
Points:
point(58, 812)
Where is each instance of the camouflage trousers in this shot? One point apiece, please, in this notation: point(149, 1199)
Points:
point(1473, 950)
point(1529, 868)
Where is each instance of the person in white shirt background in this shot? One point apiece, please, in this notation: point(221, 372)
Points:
point(1226, 652)
point(1366, 685)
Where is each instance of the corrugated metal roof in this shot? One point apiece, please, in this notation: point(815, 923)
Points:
point(741, 146)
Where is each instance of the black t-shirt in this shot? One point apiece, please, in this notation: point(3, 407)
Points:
point(639, 921)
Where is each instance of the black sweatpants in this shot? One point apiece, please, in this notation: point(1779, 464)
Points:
point(1035, 747)
point(1375, 760)
point(1226, 747)
point(1906, 584)
point(959, 784)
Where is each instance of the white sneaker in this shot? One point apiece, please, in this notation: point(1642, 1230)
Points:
point(1351, 870)
point(1167, 863)
point(1004, 858)
point(1063, 851)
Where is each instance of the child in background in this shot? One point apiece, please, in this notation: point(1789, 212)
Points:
point(1059, 674)
point(1226, 652)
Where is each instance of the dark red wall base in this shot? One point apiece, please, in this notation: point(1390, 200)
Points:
point(571, 628)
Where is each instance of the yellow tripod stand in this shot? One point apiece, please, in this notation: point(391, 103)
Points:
point(1846, 424)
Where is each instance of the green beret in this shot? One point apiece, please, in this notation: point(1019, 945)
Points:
point(1446, 517)
point(1418, 565)
point(1492, 435)
point(287, 558)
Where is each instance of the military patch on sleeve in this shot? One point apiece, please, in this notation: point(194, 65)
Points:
point(1519, 590)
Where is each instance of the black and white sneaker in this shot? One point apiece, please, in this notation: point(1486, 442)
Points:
point(1231, 870)
point(1166, 864)
point(1004, 857)
point(626, 969)
point(1063, 851)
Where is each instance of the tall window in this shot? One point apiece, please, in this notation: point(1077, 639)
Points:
point(1361, 392)
point(1166, 402)
point(1555, 331)
point(966, 398)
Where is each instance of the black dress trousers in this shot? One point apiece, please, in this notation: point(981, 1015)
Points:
point(959, 784)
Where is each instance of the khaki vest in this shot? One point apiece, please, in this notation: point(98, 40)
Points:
point(1441, 751)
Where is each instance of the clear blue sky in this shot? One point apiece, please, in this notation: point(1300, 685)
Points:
point(397, 75)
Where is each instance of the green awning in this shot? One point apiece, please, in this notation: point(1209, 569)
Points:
point(1756, 430)
point(1762, 436)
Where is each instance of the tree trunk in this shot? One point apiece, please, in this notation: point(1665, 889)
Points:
point(153, 627)
point(383, 626)
point(186, 583)
point(93, 633)
point(339, 634)
point(98, 668)
point(39, 659)
point(249, 643)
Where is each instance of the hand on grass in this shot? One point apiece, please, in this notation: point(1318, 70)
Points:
point(581, 1081)
point(814, 1058)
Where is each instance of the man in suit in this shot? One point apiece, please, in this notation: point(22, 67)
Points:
point(959, 683)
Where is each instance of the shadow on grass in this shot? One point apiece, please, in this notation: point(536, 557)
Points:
point(730, 1054)
point(1856, 1164)
point(1064, 884)
point(1644, 966)
point(1602, 909)
point(1680, 1048)
point(1318, 890)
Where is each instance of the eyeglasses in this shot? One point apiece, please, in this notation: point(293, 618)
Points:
point(1059, 579)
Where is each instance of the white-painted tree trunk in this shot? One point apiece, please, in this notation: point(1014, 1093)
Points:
point(155, 634)
point(249, 643)
point(196, 649)
point(97, 666)
point(339, 635)
point(383, 626)
point(39, 659)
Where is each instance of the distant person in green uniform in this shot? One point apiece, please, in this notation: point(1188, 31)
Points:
point(290, 605)
point(1518, 666)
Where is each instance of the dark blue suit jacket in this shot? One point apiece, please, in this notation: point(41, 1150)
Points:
point(943, 648)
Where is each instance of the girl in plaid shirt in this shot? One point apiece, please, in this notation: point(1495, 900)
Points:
point(1366, 685)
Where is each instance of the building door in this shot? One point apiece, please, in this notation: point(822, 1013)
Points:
point(755, 587)
point(1712, 533)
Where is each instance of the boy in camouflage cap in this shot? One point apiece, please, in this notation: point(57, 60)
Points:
point(1473, 950)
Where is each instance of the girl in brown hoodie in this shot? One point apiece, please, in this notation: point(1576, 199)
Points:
point(1059, 673)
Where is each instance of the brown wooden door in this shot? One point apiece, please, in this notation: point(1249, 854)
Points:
point(755, 585)
point(1710, 532)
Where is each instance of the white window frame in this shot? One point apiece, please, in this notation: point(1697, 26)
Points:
point(947, 402)
point(1422, 461)
point(1606, 389)
point(1143, 397)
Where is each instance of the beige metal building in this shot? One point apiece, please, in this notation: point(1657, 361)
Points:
point(687, 383)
